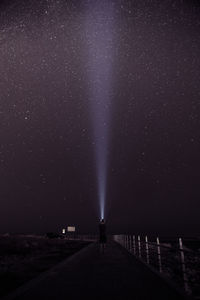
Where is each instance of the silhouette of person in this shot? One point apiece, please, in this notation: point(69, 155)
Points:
point(102, 234)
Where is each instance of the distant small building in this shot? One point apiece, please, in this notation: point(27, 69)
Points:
point(71, 229)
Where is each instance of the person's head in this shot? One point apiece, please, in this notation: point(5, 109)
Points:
point(102, 221)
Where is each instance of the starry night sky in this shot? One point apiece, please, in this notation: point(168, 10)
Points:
point(47, 146)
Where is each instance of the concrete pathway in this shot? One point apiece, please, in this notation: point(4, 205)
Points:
point(90, 274)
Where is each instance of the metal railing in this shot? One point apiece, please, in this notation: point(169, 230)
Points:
point(86, 237)
point(176, 262)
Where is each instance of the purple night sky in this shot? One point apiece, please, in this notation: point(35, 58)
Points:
point(100, 100)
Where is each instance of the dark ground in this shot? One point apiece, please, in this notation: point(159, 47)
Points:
point(91, 274)
point(23, 258)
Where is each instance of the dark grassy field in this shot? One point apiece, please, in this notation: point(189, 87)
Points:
point(23, 257)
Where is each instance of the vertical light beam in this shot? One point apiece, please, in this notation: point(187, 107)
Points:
point(99, 36)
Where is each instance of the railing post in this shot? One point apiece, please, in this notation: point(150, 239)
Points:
point(134, 250)
point(128, 243)
point(147, 249)
point(159, 255)
point(185, 278)
point(130, 248)
point(139, 247)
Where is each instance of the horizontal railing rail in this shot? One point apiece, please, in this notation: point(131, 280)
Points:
point(83, 237)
